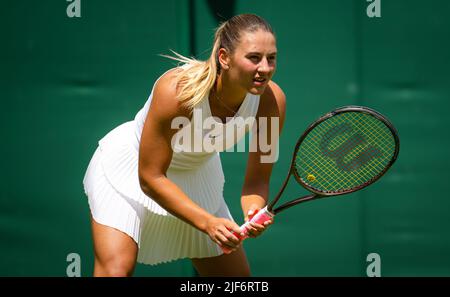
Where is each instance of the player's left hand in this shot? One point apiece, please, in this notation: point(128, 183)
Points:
point(255, 229)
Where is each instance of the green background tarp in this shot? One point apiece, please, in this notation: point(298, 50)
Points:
point(66, 82)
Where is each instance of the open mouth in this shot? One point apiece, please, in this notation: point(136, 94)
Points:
point(260, 79)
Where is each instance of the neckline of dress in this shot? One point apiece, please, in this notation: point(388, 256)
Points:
point(208, 107)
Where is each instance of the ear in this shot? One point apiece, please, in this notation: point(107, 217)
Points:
point(224, 58)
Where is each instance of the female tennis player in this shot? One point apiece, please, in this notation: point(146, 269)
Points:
point(154, 200)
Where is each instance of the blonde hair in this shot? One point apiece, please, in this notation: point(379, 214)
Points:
point(198, 77)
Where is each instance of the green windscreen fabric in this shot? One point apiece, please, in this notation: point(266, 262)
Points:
point(66, 82)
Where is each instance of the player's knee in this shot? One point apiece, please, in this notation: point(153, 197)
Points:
point(243, 272)
point(114, 267)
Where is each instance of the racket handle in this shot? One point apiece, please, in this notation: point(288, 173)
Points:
point(260, 217)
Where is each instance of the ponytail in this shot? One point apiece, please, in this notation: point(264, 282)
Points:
point(196, 77)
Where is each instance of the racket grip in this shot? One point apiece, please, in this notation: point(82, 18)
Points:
point(260, 217)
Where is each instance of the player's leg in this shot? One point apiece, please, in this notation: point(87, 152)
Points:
point(234, 264)
point(115, 251)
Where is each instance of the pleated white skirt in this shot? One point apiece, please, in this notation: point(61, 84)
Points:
point(160, 236)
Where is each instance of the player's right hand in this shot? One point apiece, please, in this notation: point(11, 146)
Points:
point(220, 231)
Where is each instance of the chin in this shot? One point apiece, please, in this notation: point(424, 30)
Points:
point(257, 91)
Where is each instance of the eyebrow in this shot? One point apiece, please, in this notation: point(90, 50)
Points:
point(258, 53)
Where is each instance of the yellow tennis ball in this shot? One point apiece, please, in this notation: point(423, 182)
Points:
point(311, 177)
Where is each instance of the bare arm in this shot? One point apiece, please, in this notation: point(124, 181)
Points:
point(256, 185)
point(155, 155)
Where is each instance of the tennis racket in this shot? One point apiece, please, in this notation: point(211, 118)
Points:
point(342, 152)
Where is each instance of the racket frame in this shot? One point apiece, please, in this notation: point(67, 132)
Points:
point(319, 194)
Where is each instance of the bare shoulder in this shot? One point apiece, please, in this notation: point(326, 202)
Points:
point(276, 90)
point(165, 103)
point(273, 100)
point(277, 93)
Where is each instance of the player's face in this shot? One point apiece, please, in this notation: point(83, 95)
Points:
point(253, 62)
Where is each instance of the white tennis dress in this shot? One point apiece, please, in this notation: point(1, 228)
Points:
point(116, 199)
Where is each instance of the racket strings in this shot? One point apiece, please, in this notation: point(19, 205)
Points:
point(345, 151)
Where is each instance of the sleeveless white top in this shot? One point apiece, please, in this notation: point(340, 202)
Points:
point(198, 173)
